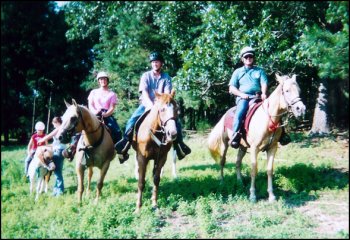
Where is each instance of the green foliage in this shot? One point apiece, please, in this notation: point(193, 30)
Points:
point(193, 206)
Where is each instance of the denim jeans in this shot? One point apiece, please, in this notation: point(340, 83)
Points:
point(114, 127)
point(58, 188)
point(138, 112)
point(241, 111)
point(27, 162)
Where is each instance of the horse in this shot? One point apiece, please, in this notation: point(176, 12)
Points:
point(41, 166)
point(158, 124)
point(95, 147)
point(264, 132)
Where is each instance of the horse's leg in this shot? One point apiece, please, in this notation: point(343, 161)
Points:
point(241, 153)
point(223, 152)
point(174, 164)
point(80, 174)
point(88, 188)
point(254, 170)
point(156, 179)
point(136, 171)
point(103, 172)
point(270, 159)
point(141, 180)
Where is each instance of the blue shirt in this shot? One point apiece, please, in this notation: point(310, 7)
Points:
point(248, 80)
point(149, 83)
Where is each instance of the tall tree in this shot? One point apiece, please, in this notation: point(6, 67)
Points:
point(327, 47)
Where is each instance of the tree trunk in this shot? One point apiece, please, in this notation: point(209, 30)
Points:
point(320, 120)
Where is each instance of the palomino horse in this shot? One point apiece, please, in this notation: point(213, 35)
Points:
point(158, 124)
point(264, 131)
point(95, 147)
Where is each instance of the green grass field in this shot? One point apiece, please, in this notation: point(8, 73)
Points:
point(311, 181)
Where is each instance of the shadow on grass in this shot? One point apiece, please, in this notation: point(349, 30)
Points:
point(296, 184)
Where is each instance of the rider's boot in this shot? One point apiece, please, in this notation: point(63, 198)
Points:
point(284, 139)
point(69, 152)
point(236, 139)
point(181, 149)
point(122, 147)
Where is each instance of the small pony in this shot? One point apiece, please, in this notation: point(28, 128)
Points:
point(264, 131)
point(95, 147)
point(158, 124)
point(42, 165)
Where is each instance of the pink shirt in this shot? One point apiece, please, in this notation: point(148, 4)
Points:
point(101, 100)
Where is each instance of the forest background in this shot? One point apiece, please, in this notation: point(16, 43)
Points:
point(50, 53)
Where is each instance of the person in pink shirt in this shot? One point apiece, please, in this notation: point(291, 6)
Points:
point(102, 102)
point(33, 144)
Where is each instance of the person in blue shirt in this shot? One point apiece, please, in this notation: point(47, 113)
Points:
point(245, 83)
point(151, 81)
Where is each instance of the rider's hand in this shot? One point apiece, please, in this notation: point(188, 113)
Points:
point(263, 96)
point(244, 96)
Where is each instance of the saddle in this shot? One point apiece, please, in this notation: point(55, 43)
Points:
point(228, 121)
point(133, 134)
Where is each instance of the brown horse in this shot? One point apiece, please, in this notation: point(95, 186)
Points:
point(153, 140)
point(264, 131)
point(95, 147)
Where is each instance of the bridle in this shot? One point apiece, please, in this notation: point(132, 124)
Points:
point(163, 123)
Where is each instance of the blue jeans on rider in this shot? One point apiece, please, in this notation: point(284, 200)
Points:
point(27, 162)
point(58, 188)
point(241, 111)
point(114, 127)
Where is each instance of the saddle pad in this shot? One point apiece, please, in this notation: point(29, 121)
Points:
point(138, 123)
point(250, 113)
point(228, 122)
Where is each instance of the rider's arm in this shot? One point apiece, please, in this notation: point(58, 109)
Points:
point(263, 91)
point(238, 93)
point(147, 100)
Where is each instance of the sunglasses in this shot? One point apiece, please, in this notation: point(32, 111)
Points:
point(248, 56)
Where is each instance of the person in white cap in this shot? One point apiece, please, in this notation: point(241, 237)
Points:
point(102, 102)
point(33, 144)
point(246, 82)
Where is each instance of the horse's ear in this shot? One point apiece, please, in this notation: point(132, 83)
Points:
point(278, 78)
point(294, 77)
point(74, 102)
point(67, 104)
point(172, 93)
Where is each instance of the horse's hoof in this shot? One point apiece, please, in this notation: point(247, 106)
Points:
point(252, 199)
point(272, 199)
point(137, 211)
point(154, 208)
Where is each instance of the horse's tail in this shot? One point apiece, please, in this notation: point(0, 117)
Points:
point(215, 140)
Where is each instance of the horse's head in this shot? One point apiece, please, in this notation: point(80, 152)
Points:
point(70, 120)
point(45, 154)
point(291, 95)
point(167, 109)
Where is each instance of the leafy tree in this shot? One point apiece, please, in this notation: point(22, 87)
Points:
point(36, 57)
point(327, 47)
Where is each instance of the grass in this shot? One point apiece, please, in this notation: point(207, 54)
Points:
point(310, 176)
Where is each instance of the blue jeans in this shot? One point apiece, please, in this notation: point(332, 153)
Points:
point(27, 162)
point(137, 114)
point(114, 127)
point(241, 112)
point(58, 188)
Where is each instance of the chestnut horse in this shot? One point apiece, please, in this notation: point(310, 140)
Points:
point(153, 140)
point(264, 131)
point(95, 147)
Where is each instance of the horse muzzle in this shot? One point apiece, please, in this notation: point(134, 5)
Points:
point(299, 109)
point(170, 131)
